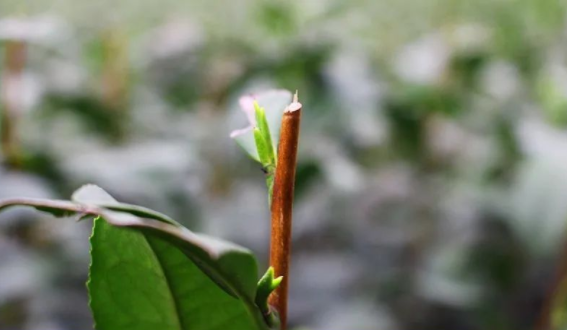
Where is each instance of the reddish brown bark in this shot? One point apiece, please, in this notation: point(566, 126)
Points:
point(282, 205)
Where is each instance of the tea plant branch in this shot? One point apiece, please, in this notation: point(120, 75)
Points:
point(264, 146)
point(14, 63)
point(115, 79)
point(282, 204)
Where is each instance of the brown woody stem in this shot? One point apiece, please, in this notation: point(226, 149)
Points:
point(282, 204)
point(14, 63)
point(115, 80)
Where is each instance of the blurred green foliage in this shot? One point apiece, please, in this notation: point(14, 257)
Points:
point(431, 173)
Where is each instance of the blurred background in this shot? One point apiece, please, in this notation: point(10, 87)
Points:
point(432, 171)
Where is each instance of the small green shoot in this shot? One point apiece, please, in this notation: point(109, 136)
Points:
point(266, 285)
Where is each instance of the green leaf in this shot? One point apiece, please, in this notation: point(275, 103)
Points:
point(266, 285)
point(264, 128)
point(553, 100)
point(231, 266)
point(261, 147)
point(151, 273)
point(56, 208)
point(142, 281)
point(94, 195)
point(265, 148)
point(274, 102)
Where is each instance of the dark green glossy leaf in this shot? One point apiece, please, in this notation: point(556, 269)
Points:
point(142, 281)
point(149, 272)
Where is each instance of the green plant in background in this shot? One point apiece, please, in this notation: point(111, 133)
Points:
point(149, 272)
point(14, 154)
point(104, 109)
point(550, 90)
point(387, 153)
